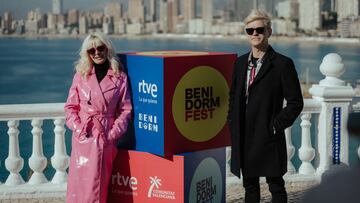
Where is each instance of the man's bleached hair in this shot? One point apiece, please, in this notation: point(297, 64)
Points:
point(84, 64)
point(258, 15)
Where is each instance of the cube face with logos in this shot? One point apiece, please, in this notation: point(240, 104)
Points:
point(180, 99)
point(141, 177)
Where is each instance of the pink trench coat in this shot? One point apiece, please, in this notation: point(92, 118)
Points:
point(98, 114)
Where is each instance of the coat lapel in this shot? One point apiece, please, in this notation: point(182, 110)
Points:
point(243, 72)
point(266, 65)
point(109, 81)
point(97, 98)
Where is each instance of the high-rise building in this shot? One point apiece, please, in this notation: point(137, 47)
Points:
point(7, 22)
point(136, 11)
point(207, 10)
point(51, 21)
point(242, 8)
point(113, 9)
point(310, 15)
point(172, 14)
point(163, 16)
point(288, 9)
point(267, 6)
point(189, 9)
point(34, 15)
point(108, 25)
point(346, 8)
point(73, 17)
point(83, 25)
point(152, 10)
point(34, 21)
point(57, 6)
point(333, 6)
point(61, 21)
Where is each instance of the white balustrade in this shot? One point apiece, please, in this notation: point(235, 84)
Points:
point(330, 94)
point(356, 108)
point(228, 159)
point(290, 152)
point(306, 151)
point(335, 96)
point(37, 161)
point(14, 163)
point(60, 160)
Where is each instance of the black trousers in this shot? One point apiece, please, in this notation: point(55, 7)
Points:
point(276, 188)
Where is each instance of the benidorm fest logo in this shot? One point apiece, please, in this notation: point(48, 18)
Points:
point(200, 103)
point(206, 183)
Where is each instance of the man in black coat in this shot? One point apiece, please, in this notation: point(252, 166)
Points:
point(257, 116)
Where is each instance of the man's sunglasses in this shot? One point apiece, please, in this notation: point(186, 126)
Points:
point(259, 30)
point(92, 51)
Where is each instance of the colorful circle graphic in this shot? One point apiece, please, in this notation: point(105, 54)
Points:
point(200, 103)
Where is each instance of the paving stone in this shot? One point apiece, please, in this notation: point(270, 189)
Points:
point(295, 192)
point(234, 194)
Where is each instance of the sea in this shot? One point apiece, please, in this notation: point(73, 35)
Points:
point(40, 70)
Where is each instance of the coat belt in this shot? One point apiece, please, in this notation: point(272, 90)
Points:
point(95, 117)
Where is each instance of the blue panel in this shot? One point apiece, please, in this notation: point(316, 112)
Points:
point(336, 135)
point(146, 78)
point(204, 176)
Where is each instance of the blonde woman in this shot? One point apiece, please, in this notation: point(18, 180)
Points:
point(98, 110)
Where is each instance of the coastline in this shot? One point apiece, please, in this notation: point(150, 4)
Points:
point(297, 39)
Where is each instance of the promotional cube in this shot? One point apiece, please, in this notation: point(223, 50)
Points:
point(141, 177)
point(180, 99)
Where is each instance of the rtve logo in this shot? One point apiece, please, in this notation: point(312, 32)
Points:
point(148, 88)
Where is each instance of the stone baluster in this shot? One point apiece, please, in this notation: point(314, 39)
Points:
point(290, 151)
point(306, 151)
point(228, 159)
point(37, 161)
point(60, 160)
point(14, 163)
point(335, 97)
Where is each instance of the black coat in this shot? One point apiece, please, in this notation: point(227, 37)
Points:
point(256, 149)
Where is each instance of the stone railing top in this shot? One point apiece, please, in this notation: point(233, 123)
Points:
point(332, 67)
point(311, 106)
point(31, 111)
point(56, 110)
point(356, 107)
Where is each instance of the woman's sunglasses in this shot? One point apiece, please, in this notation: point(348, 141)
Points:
point(92, 51)
point(259, 30)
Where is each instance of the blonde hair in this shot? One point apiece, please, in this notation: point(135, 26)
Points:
point(258, 15)
point(84, 64)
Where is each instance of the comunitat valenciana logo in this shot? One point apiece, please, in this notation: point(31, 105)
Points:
point(155, 191)
point(200, 103)
point(206, 184)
